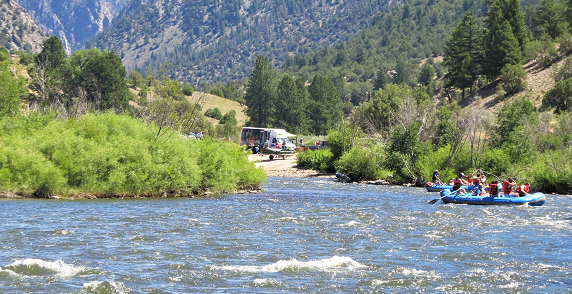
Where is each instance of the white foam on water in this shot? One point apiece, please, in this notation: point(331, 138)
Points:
point(512, 285)
point(38, 267)
point(336, 262)
point(7, 272)
point(418, 273)
point(266, 283)
point(351, 224)
point(106, 287)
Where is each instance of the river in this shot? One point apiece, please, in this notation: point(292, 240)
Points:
point(297, 236)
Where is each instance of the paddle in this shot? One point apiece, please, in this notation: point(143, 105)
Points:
point(435, 200)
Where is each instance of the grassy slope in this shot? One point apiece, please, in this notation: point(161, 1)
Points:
point(539, 82)
point(211, 101)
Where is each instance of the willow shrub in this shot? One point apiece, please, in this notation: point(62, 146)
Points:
point(108, 154)
point(552, 172)
point(225, 166)
point(358, 164)
point(322, 160)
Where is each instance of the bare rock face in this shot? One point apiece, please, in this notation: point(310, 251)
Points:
point(18, 31)
point(73, 21)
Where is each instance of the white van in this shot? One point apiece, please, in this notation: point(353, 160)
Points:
point(266, 137)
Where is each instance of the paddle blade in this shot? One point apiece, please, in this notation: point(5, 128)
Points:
point(433, 201)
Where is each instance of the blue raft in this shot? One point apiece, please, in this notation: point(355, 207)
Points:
point(536, 199)
point(431, 187)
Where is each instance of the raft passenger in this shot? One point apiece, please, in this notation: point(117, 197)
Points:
point(460, 181)
point(483, 179)
point(436, 179)
point(522, 190)
point(494, 189)
point(508, 187)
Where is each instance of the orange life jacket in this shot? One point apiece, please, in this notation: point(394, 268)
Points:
point(493, 189)
point(506, 187)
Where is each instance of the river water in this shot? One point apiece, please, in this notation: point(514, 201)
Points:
point(297, 236)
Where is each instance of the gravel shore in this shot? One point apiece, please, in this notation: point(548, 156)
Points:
point(285, 167)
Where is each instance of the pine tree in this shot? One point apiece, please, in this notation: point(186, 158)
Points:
point(500, 37)
point(427, 74)
point(290, 105)
point(382, 78)
point(549, 18)
point(464, 53)
point(504, 51)
point(326, 109)
point(260, 93)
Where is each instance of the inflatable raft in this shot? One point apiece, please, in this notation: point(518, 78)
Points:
point(432, 187)
point(536, 199)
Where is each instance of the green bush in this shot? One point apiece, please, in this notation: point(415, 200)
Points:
point(495, 162)
point(322, 160)
point(225, 166)
point(552, 172)
point(358, 164)
point(213, 113)
point(188, 90)
point(114, 155)
point(513, 78)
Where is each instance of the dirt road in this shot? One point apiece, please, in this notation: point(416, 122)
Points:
point(284, 167)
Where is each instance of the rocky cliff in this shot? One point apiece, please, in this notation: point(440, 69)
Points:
point(73, 21)
point(18, 31)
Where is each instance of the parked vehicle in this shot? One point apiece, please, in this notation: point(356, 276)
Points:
point(267, 138)
point(320, 145)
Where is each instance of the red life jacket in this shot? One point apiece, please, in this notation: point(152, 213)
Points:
point(506, 187)
point(493, 189)
point(457, 184)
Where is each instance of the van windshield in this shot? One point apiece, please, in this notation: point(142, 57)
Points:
point(285, 140)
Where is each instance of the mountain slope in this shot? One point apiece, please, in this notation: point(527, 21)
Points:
point(73, 21)
point(206, 40)
point(18, 31)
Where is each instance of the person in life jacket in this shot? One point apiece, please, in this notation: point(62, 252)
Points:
point(494, 189)
point(484, 179)
point(459, 181)
point(507, 186)
point(480, 190)
point(436, 179)
point(522, 190)
point(477, 180)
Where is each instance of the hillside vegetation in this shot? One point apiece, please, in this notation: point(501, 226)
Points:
point(18, 31)
point(219, 41)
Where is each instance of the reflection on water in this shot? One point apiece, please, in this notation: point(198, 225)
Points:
point(298, 235)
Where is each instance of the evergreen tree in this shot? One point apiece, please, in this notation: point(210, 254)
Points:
point(53, 53)
point(503, 39)
point(104, 75)
point(260, 93)
point(403, 73)
point(326, 109)
point(549, 18)
point(559, 97)
point(502, 50)
point(382, 78)
point(290, 106)
point(427, 74)
point(47, 79)
point(464, 53)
